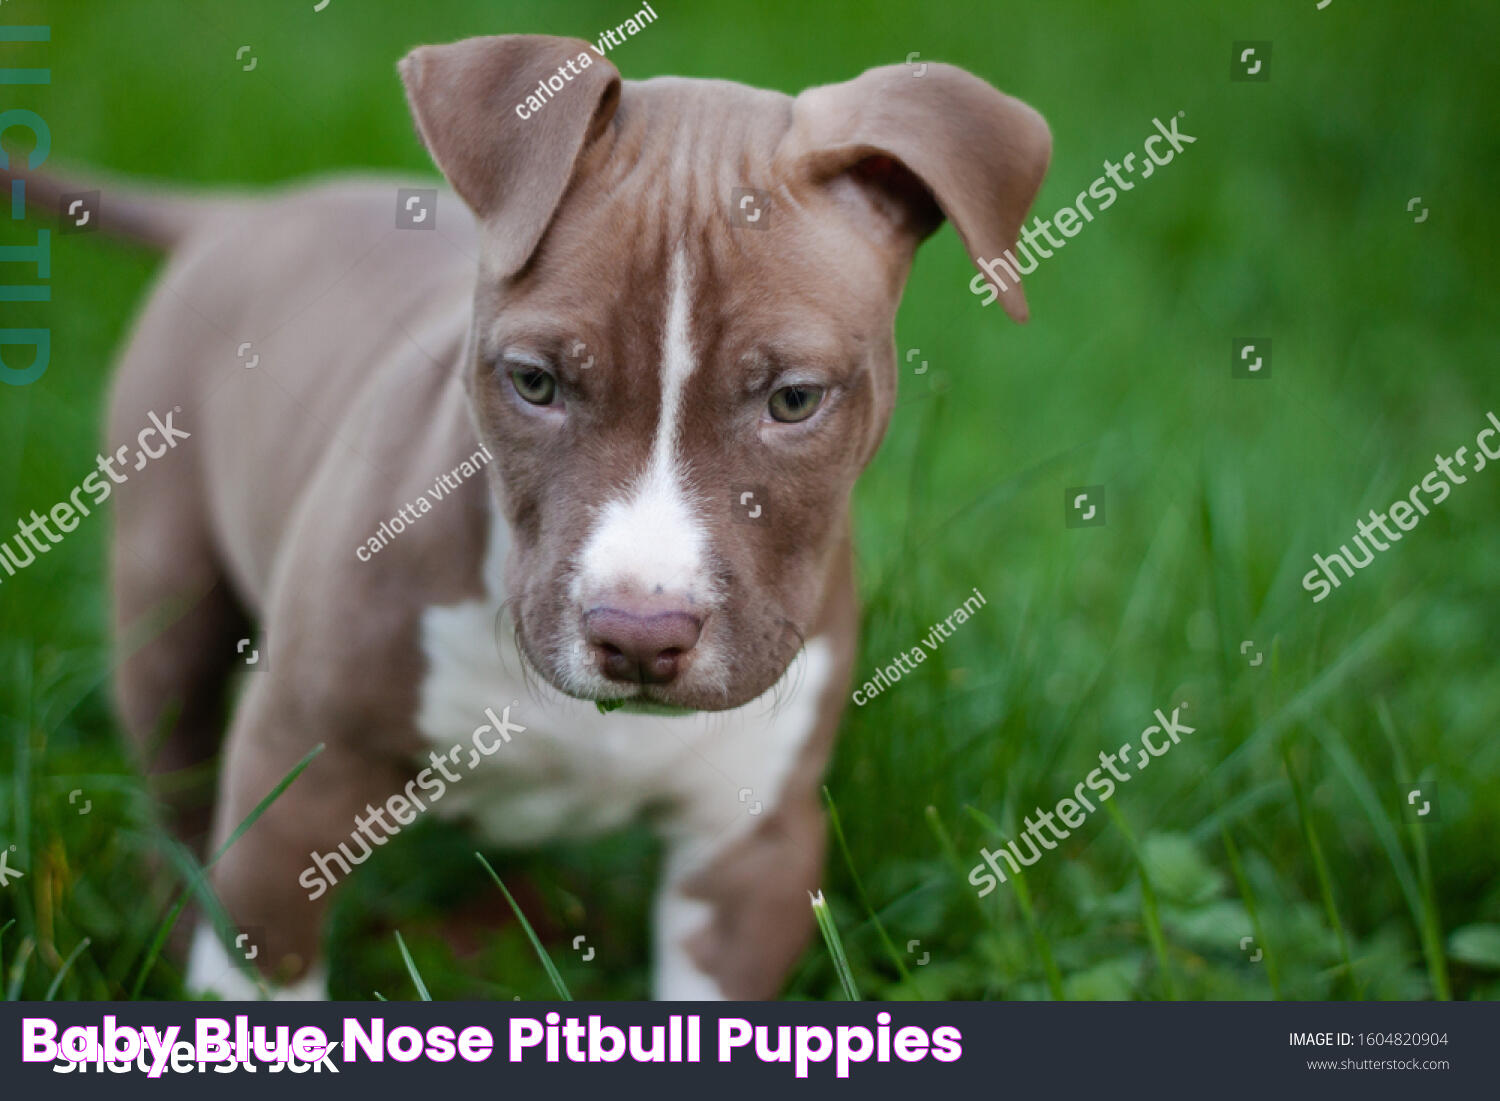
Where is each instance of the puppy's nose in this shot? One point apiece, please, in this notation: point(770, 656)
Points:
point(637, 648)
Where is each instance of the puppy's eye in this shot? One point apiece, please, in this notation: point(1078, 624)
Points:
point(791, 404)
point(534, 385)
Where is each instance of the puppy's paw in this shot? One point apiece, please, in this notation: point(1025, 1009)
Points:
point(214, 973)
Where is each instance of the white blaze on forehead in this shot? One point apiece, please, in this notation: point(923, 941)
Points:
point(652, 537)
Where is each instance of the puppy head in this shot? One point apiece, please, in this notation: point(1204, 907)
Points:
point(682, 349)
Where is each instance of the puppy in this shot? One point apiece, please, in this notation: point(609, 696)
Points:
point(539, 494)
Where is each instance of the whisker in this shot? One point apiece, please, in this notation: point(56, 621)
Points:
point(529, 674)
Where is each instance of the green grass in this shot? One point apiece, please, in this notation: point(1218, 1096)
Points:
point(416, 976)
point(1279, 819)
point(829, 931)
point(541, 952)
point(199, 885)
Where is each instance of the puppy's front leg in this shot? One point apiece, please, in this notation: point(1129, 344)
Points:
point(276, 880)
point(733, 916)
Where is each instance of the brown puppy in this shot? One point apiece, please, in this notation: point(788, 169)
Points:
point(635, 376)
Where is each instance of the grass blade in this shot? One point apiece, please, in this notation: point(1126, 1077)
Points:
point(260, 808)
point(1028, 912)
point(411, 969)
point(1431, 924)
point(165, 930)
point(1248, 897)
point(1149, 909)
point(835, 946)
point(955, 862)
point(859, 887)
point(1417, 888)
point(547, 964)
point(950, 853)
point(1320, 866)
point(1354, 657)
point(18, 969)
point(67, 963)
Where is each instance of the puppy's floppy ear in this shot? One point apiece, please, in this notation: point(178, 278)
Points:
point(511, 171)
point(956, 142)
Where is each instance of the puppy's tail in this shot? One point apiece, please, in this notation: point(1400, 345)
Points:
point(159, 220)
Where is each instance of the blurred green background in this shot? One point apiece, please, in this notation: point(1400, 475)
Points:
point(1279, 818)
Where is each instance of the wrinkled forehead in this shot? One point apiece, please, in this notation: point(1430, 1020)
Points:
point(691, 194)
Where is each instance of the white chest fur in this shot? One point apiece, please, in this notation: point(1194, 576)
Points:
point(574, 771)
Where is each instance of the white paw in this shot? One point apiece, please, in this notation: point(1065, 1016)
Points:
point(213, 971)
